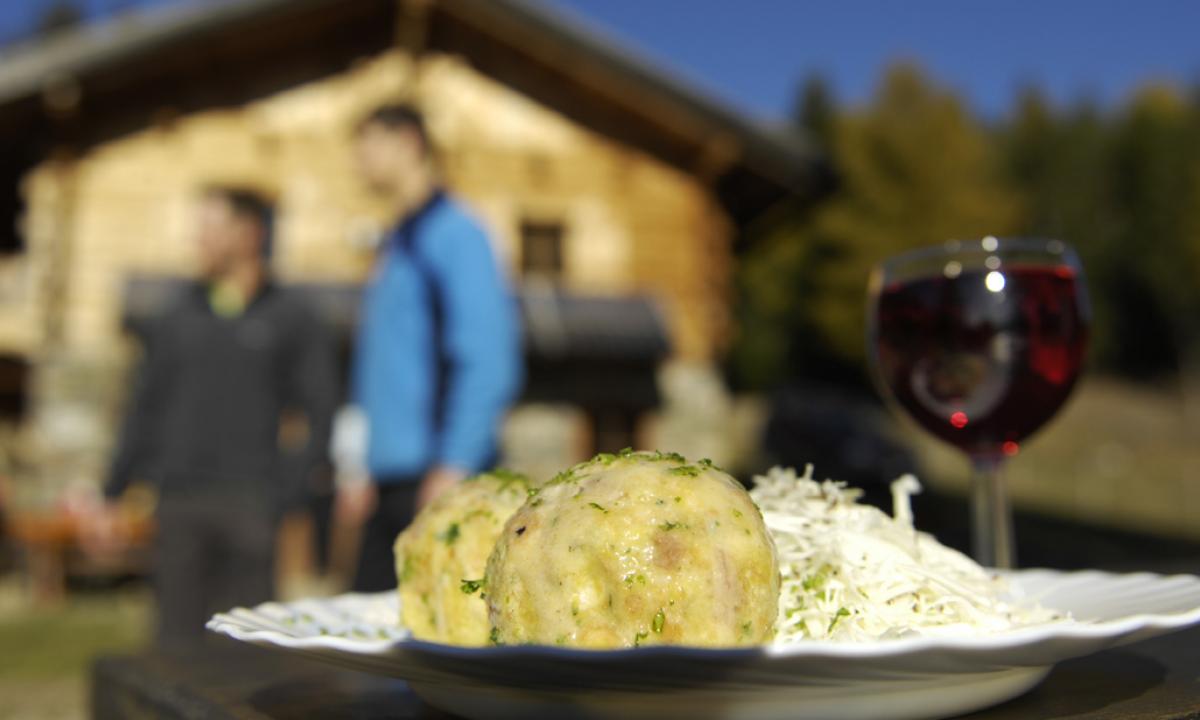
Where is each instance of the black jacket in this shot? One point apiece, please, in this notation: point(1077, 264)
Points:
point(206, 402)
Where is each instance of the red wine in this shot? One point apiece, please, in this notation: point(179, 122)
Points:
point(982, 359)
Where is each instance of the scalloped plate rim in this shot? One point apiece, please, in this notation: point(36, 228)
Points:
point(1108, 629)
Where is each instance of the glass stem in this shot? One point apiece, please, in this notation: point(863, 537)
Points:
point(992, 541)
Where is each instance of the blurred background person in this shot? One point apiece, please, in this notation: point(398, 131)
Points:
point(203, 422)
point(437, 361)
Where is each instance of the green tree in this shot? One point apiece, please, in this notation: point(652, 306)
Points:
point(1157, 185)
point(58, 16)
point(1062, 165)
point(914, 169)
point(816, 111)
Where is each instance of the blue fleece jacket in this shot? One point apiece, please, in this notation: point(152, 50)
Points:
point(438, 355)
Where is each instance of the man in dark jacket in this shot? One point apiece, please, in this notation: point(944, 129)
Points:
point(221, 365)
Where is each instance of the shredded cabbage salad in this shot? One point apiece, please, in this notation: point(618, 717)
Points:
point(851, 573)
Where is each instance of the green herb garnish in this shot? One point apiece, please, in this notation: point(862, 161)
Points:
point(509, 478)
point(841, 613)
point(449, 535)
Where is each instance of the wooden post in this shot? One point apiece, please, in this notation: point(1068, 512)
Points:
point(56, 260)
point(412, 36)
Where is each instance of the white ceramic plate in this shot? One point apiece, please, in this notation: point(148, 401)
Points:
point(905, 678)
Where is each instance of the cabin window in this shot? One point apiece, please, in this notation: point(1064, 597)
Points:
point(12, 207)
point(14, 383)
point(542, 249)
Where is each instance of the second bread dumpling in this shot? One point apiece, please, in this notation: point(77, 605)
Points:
point(441, 557)
point(635, 549)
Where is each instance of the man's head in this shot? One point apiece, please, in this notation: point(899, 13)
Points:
point(392, 150)
point(235, 227)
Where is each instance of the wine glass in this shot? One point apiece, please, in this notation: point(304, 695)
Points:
point(980, 342)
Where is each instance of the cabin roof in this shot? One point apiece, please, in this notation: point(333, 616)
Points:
point(92, 83)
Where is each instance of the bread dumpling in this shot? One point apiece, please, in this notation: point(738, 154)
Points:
point(633, 549)
point(441, 557)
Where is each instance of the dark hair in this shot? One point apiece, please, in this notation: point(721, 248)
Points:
point(398, 116)
point(251, 205)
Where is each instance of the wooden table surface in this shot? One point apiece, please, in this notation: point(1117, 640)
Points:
point(1157, 679)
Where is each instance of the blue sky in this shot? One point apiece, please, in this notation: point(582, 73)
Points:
point(752, 53)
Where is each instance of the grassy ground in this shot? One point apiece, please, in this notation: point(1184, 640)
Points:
point(47, 651)
point(1118, 454)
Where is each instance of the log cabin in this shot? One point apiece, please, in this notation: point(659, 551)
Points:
point(616, 192)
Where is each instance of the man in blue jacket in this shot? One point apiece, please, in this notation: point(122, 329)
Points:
point(437, 361)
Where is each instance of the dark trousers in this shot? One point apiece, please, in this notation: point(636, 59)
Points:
point(394, 511)
point(320, 508)
point(210, 556)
